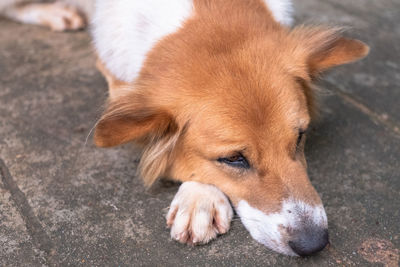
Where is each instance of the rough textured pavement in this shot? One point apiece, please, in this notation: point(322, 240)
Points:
point(66, 203)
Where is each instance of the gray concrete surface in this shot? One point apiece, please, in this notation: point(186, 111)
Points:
point(66, 203)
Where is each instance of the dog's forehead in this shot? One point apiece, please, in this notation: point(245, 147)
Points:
point(260, 109)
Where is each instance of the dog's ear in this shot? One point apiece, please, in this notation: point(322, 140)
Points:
point(326, 48)
point(131, 118)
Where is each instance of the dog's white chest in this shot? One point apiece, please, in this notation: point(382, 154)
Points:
point(125, 30)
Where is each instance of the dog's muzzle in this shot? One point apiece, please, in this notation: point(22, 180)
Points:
point(298, 229)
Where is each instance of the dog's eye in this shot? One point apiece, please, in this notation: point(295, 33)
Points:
point(237, 161)
point(300, 137)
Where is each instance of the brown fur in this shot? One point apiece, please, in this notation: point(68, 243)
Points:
point(231, 80)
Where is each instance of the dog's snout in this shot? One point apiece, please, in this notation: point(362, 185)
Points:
point(309, 241)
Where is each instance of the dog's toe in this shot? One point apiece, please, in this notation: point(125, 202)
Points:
point(198, 213)
point(60, 17)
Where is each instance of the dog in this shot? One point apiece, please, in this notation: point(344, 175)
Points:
point(219, 94)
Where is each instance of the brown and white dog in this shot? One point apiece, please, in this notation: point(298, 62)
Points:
point(219, 94)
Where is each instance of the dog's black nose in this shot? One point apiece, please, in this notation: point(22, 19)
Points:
point(309, 241)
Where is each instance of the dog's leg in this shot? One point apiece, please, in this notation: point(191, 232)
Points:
point(57, 16)
point(198, 213)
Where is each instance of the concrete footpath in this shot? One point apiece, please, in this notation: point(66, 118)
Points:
point(67, 203)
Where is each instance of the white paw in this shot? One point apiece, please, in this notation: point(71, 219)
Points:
point(198, 213)
point(60, 17)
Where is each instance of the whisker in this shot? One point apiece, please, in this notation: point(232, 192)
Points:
point(90, 132)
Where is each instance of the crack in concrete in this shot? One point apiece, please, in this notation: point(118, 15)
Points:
point(35, 229)
point(383, 120)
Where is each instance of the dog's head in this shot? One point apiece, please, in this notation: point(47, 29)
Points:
point(233, 111)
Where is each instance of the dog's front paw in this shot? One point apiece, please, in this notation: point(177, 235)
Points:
point(198, 213)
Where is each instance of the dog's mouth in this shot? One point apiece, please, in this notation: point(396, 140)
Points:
point(298, 229)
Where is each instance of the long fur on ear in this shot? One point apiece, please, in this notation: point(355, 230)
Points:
point(326, 48)
point(158, 156)
point(131, 118)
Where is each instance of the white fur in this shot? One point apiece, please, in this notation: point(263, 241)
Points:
point(281, 10)
point(198, 213)
point(269, 229)
point(124, 31)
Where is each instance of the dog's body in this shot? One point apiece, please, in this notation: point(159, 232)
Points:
point(219, 94)
point(141, 24)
